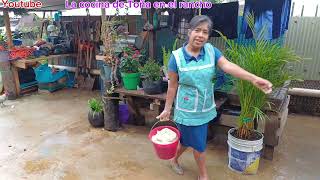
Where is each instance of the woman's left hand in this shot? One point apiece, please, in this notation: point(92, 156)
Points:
point(263, 84)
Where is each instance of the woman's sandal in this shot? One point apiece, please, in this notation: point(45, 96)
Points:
point(176, 168)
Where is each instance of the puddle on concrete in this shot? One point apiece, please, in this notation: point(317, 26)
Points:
point(52, 144)
point(60, 139)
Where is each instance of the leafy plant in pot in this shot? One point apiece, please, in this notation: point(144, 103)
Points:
point(129, 68)
point(152, 84)
point(95, 115)
point(267, 60)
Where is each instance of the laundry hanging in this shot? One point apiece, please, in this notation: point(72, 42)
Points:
point(225, 19)
point(273, 14)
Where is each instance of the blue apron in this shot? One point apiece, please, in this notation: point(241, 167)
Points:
point(194, 103)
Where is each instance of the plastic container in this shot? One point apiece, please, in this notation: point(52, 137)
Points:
point(165, 151)
point(130, 80)
point(123, 113)
point(244, 156)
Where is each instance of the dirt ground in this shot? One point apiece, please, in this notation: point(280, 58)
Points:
point(47, 136)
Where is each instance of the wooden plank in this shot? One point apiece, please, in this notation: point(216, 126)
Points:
point(227, 120)
point(132, 24)
point(141, 93)
point(268, 152)
point(100, 58)
point(275, 124)
point(162, 97)
point(16, 80)
point(19, 64)
point(73, 69)
point(136, 117)
point(25, 63)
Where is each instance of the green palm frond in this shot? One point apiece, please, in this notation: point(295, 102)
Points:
point(264, 59)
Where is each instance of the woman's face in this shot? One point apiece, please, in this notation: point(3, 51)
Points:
point(199, 36)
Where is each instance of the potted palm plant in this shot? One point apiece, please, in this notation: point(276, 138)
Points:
point(129, 68)
point(95, 115)
point(267, 60)
point(152, 84)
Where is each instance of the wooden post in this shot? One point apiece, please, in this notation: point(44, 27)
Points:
point(103, 14)
point(8, 28)
point(152, 36)
point(111, 113)
point(7, 72)
point(42, 26)
point(7, 75)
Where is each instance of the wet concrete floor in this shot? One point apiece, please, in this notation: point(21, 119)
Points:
point(47, 136)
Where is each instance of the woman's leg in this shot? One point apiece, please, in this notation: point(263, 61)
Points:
point(200, 158)
point(181, 149)
point(174, 162)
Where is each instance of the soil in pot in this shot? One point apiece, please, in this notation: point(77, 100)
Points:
point(96, 119)
point(152, 87)
point(253, 135)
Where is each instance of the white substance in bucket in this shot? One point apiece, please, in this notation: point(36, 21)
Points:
point(164, 136)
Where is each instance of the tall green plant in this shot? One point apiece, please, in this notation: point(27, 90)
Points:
point(167, 53)
point(165, 56)
point(264, 59)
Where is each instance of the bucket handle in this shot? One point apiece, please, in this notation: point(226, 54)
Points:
point(172, 122)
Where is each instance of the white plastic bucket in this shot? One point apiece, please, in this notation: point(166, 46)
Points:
point(244, 155)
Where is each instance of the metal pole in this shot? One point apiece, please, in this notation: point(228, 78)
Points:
point(302, 10)
point(292, 9)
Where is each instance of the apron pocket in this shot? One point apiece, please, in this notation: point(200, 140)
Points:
point(208, 103)
point(187, 99)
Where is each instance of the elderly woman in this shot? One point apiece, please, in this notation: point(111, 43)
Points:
point(191, 70)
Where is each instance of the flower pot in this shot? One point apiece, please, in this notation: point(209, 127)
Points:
point(96, 119)
point(244, 155)
point(152, 87)
point(130, 80)
point(165, 85)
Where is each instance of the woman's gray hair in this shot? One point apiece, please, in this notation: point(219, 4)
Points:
point(197, 20)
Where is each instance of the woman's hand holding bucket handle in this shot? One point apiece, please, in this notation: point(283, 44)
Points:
point(164, 116)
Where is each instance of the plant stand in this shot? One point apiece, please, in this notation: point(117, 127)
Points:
point(144, 108)
point(111, 110)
